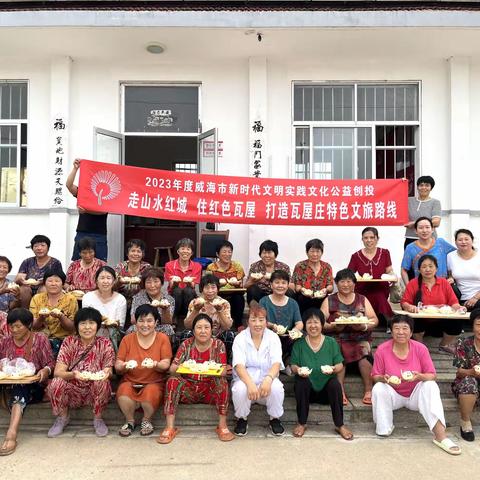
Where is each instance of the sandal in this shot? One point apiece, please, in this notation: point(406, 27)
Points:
point(146, 428)
point(167, 435)
point(224, 434)
point(448, 446)
point(344, 432)
point(126, 429)
point(4, 451)
point(299, 430)
point(367, 398)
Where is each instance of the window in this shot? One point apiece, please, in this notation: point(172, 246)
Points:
point(356, 131)
point(13, 143)
point(161, 108)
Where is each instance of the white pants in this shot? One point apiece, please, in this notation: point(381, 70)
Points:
point(425, 399)
point(242, 404)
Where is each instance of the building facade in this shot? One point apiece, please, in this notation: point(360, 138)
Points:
point(362, 90)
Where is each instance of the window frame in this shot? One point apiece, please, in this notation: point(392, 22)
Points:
point(355, 124)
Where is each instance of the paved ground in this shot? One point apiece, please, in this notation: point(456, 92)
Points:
point(196, 453)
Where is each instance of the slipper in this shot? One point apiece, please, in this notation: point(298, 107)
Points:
point(146, 428)
point(167, 435)
point(344, 432)
point(224, 434)
point(367, 398)
point(126, 429)
point(344, 400)
point(447, 445)
point(299, 430)
point(8, 451)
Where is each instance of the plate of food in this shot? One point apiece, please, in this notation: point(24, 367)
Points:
point(78, 294)
point(17, 379)
point(353, 320)
point(93, 376)
point(192, 367)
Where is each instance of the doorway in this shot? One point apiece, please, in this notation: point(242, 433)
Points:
point(165, 153)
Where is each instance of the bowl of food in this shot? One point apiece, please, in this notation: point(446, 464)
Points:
point(280, 329)
point(188, 279)
point(268, 275)
point(295, 334)
point(477, 369)
point(304, 371)
point(155, 303)
point(307, 292)
point(222, 282)
point(407, 375)
point(233, 281)
point(367, 276)
point(257, 276)
point(326, 369)
point(78, 294)
point(148, 363)
point(394, 380)
point(164, 303)
point(175, 279)
point(30, 281)
point(44, 311)
point(131, 364)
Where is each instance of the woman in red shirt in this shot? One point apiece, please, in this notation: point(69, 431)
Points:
point(428, 289)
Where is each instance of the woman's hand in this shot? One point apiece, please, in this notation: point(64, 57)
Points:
point(253, 392)
point(417, 377)
point(471, 302)
point(265, 387)
point(44, 373)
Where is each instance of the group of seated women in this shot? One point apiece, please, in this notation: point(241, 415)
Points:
point(403, 375)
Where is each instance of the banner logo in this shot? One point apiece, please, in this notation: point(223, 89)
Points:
point(105, 185)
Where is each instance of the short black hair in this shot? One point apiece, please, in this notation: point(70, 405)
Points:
point(268, 246)
point(145, 309)
point(87, 243)
point(40, 239)
point(135, 242)
point(105, 268)
point(465, 231)
point(426, 257)
point(54, 273)
point(474, 314)
point(87, 313)
point(313, 313)
point(153, 272)
point(20, 314)
point(345, 274)
point(185, 242)
point(208, 279)
point(426, 179)
point(314, 243)
point(201, 316)
point(418, 220)
point(370, 229)
point(7, 261)
point(226, 244)
point(280, 275)
point(400, 318)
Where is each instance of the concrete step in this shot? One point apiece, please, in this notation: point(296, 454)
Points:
point(40, 415)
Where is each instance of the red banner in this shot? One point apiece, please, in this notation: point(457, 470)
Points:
point(154, 193)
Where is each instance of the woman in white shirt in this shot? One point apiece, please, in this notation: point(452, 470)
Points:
point(110, 304)
point(464, 269)
point(257, 360)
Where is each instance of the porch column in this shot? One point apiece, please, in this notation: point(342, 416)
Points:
point(59, 162)
point(259, 161)
point(461, 160)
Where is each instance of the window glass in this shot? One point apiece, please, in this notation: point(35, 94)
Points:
point(172, 109)
point(13, 100)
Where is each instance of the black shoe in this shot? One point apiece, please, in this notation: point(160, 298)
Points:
point(467, 436)
point(241, 428)
point(276, 426)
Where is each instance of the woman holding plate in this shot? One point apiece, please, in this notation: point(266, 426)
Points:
point(316, 360)
point(355, 340)
point(428, 289)
point(151, 293)
point(198, 388)
point(143, 360)
point(35, 348)
point(376, 262)
point(313, 278)
point(82, 373)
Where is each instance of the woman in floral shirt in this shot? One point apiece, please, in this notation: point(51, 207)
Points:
point(466, 386)
point(313, 278)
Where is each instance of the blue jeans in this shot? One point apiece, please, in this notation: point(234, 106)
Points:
point(101, 249)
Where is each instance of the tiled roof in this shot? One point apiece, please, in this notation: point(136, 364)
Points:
point(237, 6)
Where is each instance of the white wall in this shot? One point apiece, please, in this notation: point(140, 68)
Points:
point(219, 61)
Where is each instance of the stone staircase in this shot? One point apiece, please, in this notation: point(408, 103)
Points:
point(40, 415)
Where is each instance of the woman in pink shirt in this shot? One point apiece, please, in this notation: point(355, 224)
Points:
point(182, 275)
point(404, 376)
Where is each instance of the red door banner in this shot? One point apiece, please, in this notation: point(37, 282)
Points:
point(146, 192)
